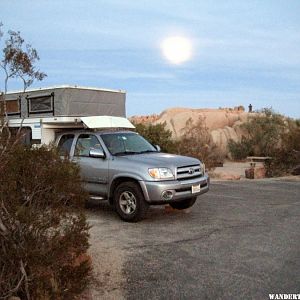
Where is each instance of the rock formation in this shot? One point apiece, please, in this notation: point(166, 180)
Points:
point(223, 123)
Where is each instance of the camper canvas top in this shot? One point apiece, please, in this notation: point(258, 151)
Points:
point(65, 101)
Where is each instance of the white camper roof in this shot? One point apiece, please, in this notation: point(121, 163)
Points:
point(97, 122)
point(65, 86)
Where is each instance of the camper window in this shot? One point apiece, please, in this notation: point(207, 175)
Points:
point(13, 107)
point(40, 104)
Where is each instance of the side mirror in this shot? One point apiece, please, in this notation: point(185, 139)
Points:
point(157, 148)
point(97, 153)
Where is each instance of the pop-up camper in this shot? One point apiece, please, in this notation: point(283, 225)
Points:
point(43, 113)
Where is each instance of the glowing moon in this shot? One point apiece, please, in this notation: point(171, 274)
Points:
point(177, 49)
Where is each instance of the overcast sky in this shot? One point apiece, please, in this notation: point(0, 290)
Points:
point(243, 51)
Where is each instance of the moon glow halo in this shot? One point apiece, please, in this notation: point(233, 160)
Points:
point(177, 49)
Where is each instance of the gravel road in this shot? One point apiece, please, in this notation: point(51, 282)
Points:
point(239, 241)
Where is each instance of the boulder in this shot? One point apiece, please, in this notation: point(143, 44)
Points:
point(222, 136)
point(223, 124)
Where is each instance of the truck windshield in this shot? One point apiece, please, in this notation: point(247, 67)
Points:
point(126, 143)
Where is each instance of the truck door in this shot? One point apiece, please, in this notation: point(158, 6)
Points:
point(94, 171)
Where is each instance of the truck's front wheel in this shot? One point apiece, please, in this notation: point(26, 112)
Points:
point(184, 203)
point(129, 202)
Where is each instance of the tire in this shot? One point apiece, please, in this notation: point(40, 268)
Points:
point(129, 202)
point(184, 203)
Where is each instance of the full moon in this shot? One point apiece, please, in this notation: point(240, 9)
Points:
point(177, 49)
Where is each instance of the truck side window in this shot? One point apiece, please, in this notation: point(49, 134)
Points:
point(85, 143)
point(65, 144)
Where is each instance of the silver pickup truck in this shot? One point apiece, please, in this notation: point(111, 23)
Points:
point(131, 173)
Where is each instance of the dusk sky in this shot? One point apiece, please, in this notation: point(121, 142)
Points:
point(241, 51)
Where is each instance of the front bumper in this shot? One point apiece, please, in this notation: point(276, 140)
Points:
point(181, 190)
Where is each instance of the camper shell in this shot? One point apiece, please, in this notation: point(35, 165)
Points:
point(45, 112)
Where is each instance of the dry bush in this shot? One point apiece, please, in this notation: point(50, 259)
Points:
point(270, 134)
point(158, 135)
point(43, 231)
point(287, 157)
point(197, 142)
point(241, 149)
point(262, 135)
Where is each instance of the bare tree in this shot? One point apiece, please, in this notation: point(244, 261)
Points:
point(18, 61)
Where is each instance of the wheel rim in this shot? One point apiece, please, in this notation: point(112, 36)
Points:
point(127, 202)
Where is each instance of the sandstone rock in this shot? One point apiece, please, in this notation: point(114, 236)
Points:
point(214, 118)
point(223, 124)
point(221, 137)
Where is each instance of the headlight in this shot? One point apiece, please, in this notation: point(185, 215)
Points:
point(161, 173)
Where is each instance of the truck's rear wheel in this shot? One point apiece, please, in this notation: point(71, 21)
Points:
point(184, 203)
point(129, 202)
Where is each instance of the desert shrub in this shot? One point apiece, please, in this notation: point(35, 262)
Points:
point(158, 135)
point(291, 138)
point(262, 135)
point(197, 142)
point(270, 134)
point(240, 150)
point(265, 130)
point(44, 233)
point(288, 155)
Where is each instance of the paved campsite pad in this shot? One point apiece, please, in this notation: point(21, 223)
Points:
point(239, 241)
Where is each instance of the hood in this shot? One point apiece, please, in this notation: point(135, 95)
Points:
point(160, 160)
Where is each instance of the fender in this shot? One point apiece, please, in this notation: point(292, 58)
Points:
point(131, 176)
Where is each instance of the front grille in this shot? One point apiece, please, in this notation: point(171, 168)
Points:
point(189, 172)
